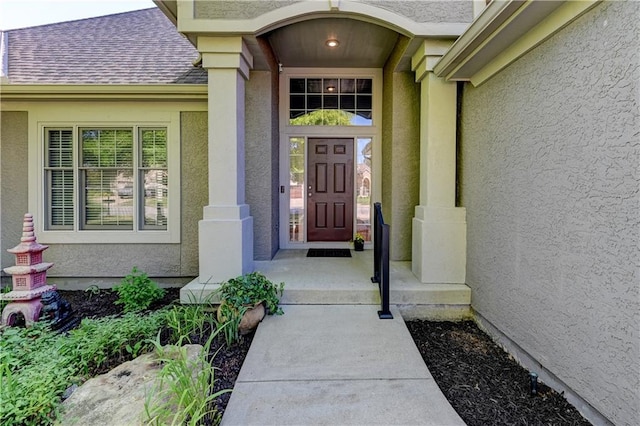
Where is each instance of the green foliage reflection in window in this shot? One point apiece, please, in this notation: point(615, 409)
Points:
point(330, 101)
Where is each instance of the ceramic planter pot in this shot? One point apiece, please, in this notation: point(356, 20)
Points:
point(250, 319)
point(358, 245)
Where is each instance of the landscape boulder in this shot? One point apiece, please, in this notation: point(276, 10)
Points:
point(118, 397)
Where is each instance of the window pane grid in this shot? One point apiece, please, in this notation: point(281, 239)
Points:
point(330, 101)
point(154, 148)
point(108, 197)
point(59, 178)
point(61, 187)
point(60, 148)
point(155, 198)
point(121, 173)
point(154, 176)
point(107, 147)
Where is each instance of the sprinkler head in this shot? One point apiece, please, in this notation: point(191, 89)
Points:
point(533, 383)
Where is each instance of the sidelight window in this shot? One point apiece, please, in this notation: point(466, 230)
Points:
point(296, 189)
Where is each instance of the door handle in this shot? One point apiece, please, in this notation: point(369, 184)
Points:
point(310, 194)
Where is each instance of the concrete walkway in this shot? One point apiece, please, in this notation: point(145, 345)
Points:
point(335, 365)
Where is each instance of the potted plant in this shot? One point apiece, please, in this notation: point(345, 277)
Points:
point(358, 242)
point(244, 301)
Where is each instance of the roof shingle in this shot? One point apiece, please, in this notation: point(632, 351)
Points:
point(139, 47)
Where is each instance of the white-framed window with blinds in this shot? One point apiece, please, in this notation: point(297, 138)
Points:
point(102, 178)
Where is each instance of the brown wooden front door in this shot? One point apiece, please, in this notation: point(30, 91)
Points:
point(330, 189)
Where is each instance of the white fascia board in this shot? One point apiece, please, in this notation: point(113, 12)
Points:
point(156, 92)
point(505, 31)
point(169, 8)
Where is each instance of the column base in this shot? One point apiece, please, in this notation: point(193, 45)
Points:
point(439, 245)
point(225, 248)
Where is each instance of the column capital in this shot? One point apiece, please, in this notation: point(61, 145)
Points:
point(427, 56)
point(225, 53)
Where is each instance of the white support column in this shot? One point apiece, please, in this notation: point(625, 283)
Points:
point(226, 230)
point(439, 235)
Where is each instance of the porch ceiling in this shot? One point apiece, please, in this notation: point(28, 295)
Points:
point(303, 44)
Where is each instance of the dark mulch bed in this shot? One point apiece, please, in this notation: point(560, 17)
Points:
point(228, 360)
point(484, 384)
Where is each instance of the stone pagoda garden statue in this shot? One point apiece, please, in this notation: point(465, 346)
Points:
point(30, 289)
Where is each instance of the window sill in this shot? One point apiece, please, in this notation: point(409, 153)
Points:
point(108, 237)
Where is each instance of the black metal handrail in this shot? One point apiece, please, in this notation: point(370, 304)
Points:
point(381, 260)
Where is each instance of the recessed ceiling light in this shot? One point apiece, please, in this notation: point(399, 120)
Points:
point(331, 88)
point(332, 42)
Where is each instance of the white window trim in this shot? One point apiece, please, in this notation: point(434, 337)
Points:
point(286, 131)
point(76, 118)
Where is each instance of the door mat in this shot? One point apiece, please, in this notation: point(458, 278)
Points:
point(320, 252)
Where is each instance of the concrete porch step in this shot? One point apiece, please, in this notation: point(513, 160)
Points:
point(346, 281)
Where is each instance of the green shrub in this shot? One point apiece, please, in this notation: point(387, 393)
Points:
point(249, 289)
point(244, 292)
point(137, 291)
point(4, 290)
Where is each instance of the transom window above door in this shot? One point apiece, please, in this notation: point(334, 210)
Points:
point(330, 101)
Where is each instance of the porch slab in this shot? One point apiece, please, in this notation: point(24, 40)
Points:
point(347, 281)
point(336, 364)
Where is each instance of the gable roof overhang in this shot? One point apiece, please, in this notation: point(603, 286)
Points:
point(502, 33)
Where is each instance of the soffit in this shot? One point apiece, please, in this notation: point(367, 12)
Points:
point(303, 44)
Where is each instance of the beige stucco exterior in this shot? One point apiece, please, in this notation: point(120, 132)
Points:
point(13, 180)
point(521, 182)
point(419, 11)
point(550, 182)
point(77, 264)
point(401, 156)
point(262, 164)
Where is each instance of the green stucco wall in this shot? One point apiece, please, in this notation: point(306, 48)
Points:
point(195, 187)
point(400, 154)
point(417, 10)
point(550, 181)
point(78, 265)
point(261, 161)
point(428, 10)
point(13, 181)
point(237, 9)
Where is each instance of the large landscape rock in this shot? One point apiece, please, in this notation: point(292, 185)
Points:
point(118, 397)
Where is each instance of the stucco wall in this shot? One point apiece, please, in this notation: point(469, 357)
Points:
point(550, 157)
point(261, 150)
point(76, 263)
point(417, 10)
point(195, 185)
point(237, 9)
point(428, 10)
point(13, 181)
point(400, 157)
